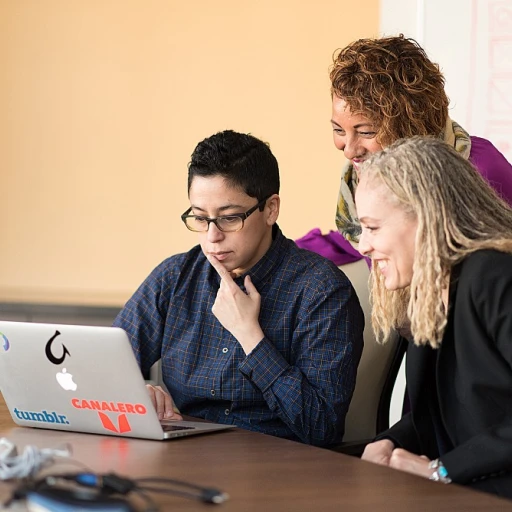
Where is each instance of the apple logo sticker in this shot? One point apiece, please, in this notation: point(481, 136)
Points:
point(65, 380)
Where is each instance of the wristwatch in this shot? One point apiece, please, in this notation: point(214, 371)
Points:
point(440, 473)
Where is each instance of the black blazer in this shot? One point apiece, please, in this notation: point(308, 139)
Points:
point(471, 374)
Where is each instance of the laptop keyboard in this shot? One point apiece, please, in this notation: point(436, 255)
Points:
point(173, 428)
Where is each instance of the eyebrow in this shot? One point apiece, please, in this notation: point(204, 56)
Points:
point(356, 126)
point(221, 209)
point(368, 219)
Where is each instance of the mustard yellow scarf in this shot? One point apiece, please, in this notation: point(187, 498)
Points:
point(346, 215)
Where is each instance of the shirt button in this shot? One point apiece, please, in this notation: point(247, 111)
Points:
point(212, 392)
point(226, 412)
point(224, 350)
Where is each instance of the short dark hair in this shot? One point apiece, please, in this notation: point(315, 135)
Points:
point(243, 160)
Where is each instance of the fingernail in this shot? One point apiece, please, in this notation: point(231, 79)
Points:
point(169, 414)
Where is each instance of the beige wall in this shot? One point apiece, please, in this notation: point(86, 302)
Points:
point(102, 103)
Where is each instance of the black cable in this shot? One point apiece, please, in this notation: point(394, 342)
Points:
point(205, 494)
point(206, 497)
point(171, 481)
point(151, 505)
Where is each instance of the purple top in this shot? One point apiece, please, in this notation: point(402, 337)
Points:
point(491, 164)
point(331, 246)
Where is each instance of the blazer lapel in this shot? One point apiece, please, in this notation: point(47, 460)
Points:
point(446, 360)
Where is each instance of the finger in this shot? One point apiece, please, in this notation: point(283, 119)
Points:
point(169, 411)
point(151, 393)
point(165, 407)
point(160, 402)
point(220, 268)
point(249, 286)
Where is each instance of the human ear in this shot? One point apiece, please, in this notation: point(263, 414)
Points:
point(272, 208)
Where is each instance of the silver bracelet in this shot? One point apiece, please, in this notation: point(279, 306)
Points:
point(440, 473)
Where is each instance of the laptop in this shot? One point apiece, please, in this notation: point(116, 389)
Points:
point(83, 379)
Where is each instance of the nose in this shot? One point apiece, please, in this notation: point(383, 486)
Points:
point(364, 246)
point(351, 148)
point(214, 234)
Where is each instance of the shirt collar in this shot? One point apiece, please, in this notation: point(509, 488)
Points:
point(271, 259)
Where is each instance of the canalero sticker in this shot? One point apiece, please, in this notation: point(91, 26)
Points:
point(122, 424)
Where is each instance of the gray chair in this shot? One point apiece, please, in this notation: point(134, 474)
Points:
point(368, 413)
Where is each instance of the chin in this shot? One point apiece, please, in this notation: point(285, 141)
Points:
point(391, 285)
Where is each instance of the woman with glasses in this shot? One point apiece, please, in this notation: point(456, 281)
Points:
point(250, 329)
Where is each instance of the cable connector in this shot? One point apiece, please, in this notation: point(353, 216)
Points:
point(213, 496)
point(115, 483)
point(110, 483)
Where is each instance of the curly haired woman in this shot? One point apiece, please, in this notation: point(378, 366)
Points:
point(387, 89)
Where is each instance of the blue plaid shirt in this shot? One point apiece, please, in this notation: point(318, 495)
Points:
point(298, 381)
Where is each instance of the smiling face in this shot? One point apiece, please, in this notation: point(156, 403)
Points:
point(240, 250)
point(388, 233)
point(353, 134)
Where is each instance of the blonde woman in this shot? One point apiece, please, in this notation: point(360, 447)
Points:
point(440, 240)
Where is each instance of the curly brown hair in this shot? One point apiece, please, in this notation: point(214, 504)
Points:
point(392, 82)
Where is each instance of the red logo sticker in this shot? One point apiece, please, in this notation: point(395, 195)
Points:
point(123, 424)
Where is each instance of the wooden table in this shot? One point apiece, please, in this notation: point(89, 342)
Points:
point(259, 472)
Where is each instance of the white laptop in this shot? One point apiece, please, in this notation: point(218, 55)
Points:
point(80, 378)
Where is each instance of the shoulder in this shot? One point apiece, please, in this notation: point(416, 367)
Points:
point(178, 263)
point(486, 260)
point(487, 158)
point(486, 270)
point(483, 150)
point(312, 267)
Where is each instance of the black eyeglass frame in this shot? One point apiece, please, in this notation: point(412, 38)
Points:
point(242, 216)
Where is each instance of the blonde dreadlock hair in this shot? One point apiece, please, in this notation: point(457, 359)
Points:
point(457, 214)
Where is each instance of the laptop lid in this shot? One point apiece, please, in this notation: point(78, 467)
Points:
point(80, 378)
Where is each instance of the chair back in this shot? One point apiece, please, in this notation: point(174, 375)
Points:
point(368, 413)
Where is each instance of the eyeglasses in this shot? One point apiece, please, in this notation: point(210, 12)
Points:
point(224, 223)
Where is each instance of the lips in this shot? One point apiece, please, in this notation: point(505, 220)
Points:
point(382, 265)
point(220, 255)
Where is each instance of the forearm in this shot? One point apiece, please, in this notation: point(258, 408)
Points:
point(403, 435)
point(314, 408)
point(481, 456)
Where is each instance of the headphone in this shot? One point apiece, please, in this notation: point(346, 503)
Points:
point(33, 459)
